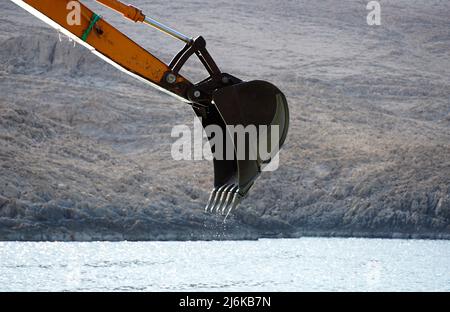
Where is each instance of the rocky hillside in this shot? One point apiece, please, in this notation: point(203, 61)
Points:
point(85, 150)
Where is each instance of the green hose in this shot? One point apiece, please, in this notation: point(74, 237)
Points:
point(95, 18)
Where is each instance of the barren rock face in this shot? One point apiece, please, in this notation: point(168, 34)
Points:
point(85, 150)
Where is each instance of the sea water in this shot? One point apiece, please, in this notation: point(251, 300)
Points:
point(307, 264)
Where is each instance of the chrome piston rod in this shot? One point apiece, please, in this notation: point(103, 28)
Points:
point(166, 29)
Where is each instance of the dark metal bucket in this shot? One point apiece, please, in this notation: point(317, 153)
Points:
point(260, 108)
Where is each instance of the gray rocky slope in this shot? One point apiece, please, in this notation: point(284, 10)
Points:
point(85, 150)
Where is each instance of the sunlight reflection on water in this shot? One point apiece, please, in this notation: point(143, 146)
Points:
point(308, 264)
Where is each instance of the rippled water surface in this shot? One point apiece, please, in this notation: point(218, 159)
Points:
point(309, 264)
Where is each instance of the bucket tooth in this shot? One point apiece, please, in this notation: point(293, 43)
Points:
point(223, 198)
point(237, 198)
point(229, 199)
point(217, 202)
point(211, 198)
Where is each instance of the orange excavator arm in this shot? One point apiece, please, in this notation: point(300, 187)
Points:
point(129, 11)
point(219, 100)
point(107, 42)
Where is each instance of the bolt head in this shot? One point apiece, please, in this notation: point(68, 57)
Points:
point(197, 94)
point(171, 78)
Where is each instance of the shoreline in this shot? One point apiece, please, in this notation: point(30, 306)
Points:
point(83, 237)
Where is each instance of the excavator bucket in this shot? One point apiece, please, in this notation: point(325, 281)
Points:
point(254, 118)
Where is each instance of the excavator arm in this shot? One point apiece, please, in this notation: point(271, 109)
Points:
point(220, 100)
point(107, 42)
